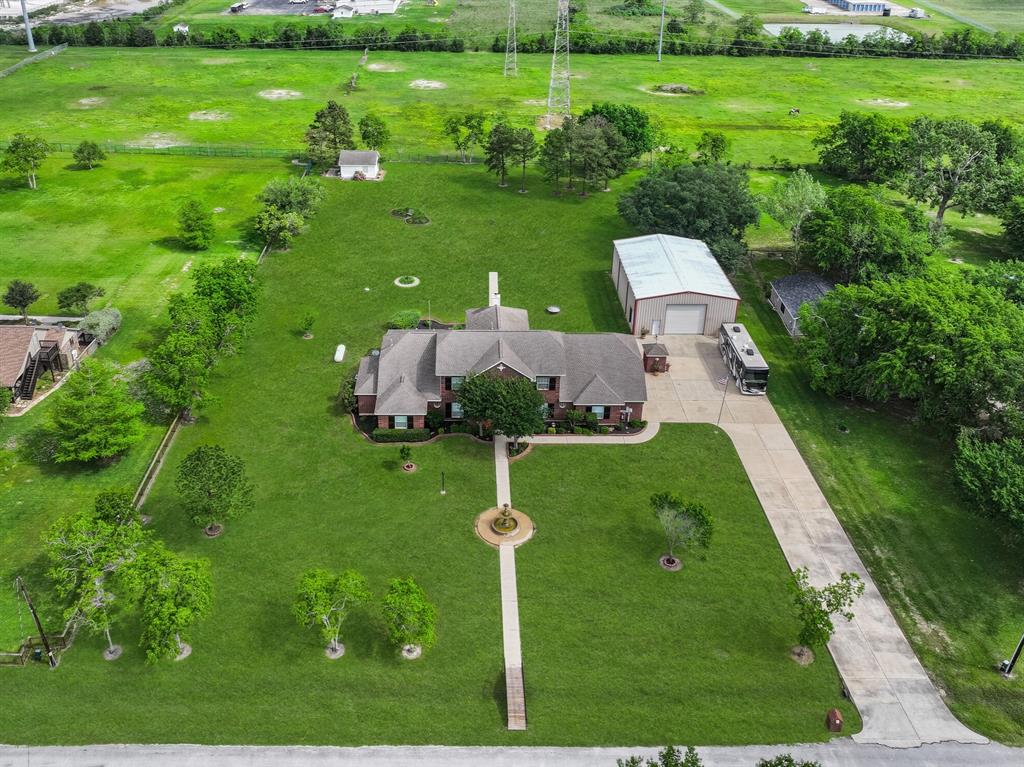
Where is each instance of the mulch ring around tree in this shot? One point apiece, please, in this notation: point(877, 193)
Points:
point(409, 467)
point(213, 531)
point(113, 653)
point(184, 651)
point(335, 651)
point(671, 564)
point(407, 281)
point(412, 651)
point(413, 216)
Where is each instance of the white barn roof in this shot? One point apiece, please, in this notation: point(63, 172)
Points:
point(661, 264)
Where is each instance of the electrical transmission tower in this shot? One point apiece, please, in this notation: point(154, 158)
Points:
point(558, 90)
point(511, 62)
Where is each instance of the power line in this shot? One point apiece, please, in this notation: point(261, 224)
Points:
point(511, 60)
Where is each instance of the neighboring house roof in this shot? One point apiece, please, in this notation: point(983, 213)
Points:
point(497, 318)
point(360, 157)
point(795, 290)
point(17, 342)
point(596, 368)
point(661, 264)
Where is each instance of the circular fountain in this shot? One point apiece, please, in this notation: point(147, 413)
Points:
point(505, 523)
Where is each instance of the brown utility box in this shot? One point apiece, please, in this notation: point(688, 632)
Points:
point(834, 720)
point(655, 358)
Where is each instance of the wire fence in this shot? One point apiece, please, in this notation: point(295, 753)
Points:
point(44, 55)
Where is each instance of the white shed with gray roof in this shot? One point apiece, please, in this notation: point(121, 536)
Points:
point(351, 162)
point(671, 285)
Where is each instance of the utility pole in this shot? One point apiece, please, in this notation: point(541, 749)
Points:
point(511, 46)
point(28, 29)
point(558, 89)
point(20, 586)
point(661, 31)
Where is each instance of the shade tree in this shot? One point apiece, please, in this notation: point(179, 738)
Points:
point(23, 156)
point(95, 418)
point(511, 406)
point(329, 134)
point(465, 131)
point(373, 131)
point(792, 200)
point(817, 606)
point(632, 124)
point(409, 616)
point(21, 295)
point(76, 298)
point(712, 147)
point(293, 194)
point(863, 146)
point(213, 486)
point(857, 236)
point(524, 149)
point(88, 154)
point(990, 473)
point(498, 150)
point(326, 600)
point(195, 225)
point(231, 290)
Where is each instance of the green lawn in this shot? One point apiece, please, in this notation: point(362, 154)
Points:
point(1004, 15)
point(749, 99)
point(780, 11)
point(951, 577)
point(116, 226)
point(603, 625)
point(325, 497)
point(12, 54)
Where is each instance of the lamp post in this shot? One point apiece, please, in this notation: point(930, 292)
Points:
point(443, 491)
point(28, 29)
point(1006, 667)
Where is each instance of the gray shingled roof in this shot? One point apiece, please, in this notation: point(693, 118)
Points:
point(497, 318)
point(357, 157)
point(795, 290)
point(597, 368)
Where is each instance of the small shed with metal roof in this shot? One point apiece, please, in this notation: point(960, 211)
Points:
point(671, 285)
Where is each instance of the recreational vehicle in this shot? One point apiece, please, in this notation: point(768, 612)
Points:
point(746, 365)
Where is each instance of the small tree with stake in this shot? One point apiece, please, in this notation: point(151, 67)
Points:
point(213, 486)
point(524, 149)
point(498, 151)
point(405, 456)
point(686, 525)
point(326, 600)
point(816, 606)
point(410, 617)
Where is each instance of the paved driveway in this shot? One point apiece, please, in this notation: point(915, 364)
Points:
point(897, 700)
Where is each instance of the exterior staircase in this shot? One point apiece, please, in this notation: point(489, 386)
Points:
point(28, 380)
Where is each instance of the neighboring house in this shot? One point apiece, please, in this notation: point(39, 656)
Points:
point(180, 29)
point(27, 351)
point(670, 285)
point(351, 162)
point(418, 371)
point(351, 8)
point(789, 293)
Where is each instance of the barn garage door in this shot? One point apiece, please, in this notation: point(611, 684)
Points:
point(685, 318)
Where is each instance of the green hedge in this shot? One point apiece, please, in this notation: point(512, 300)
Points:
point(401, 435)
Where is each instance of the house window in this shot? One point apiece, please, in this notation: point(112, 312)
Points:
point(401, 422)
point(456, 410)
point(599, 410)
point(782, 307)
point(544, 383)
point(455, 382)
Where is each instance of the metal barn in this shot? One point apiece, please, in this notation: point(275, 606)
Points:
point(671, 285)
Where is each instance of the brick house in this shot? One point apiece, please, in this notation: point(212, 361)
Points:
point(27, 351)
point(418, 371)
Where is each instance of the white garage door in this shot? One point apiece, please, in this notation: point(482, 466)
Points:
point(685, 318)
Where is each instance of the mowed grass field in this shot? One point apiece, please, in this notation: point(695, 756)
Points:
point(1003, 15)
point(326, 497)
point(749, 99)
point(114, 226)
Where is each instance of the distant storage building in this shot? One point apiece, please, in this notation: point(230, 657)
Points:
point(671, 285)
point(791, 292)
point(860, 6)
point(356, 162)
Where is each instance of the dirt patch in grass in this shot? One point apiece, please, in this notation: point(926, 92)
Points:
point(208, 115)
point(536, 102)
point(157, 140)
point(90, 102)
point(428, 85)
point(218, 61)
point(280, 94)
point(885, 103)
point(385, 68)
point(802, 655)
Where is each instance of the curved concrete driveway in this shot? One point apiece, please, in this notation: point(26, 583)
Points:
point(897, 701)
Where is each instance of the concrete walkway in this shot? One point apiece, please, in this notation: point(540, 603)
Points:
point(515, 689)
point(836, 753)
point(897, 700)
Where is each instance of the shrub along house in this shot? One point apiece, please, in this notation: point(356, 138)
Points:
point(416, 372)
